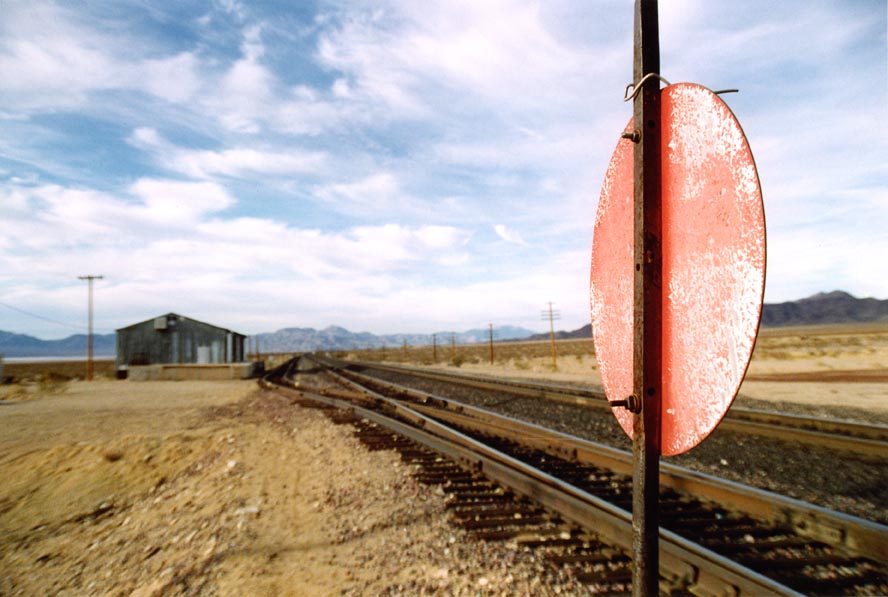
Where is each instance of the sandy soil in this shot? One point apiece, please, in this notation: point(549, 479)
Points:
point(168, 488)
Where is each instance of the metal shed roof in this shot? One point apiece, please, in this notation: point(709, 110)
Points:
point(168, 315)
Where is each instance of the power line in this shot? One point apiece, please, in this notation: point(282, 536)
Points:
point(55, 321)
point(35, 316)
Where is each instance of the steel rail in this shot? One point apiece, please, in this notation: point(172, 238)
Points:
point(683, 564)
point(868, 441)
point(855, 534)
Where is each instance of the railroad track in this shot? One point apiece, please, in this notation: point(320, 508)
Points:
point(867, 441)
point(719, 537)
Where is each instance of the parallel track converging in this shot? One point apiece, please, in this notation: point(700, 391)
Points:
point(866, 440)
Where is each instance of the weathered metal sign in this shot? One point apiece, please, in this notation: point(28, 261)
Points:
point(713, 266)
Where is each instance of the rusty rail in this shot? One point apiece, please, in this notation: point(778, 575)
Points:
point(683, 564)
point(867, 538)
point(868, 441)
point(817, 526)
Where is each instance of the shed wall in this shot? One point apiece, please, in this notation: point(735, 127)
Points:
point(174, 339)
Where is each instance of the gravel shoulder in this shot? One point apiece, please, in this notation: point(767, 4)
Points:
point(218, 488)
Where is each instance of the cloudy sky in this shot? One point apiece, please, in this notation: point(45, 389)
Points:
point(399, 166)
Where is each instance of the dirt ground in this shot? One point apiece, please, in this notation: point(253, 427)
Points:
point(168, 488)
point(219, 488)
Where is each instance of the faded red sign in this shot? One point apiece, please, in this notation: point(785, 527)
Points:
point(713, 266)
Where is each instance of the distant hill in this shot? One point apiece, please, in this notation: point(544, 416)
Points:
point(825, 307)
point(822, 308)
point(21, 345)
point(583, 333)
point(337, 338)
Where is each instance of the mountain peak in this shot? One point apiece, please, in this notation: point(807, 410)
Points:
point(837, 306)
point(834, 295)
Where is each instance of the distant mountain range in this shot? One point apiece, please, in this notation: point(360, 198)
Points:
point(825, 307)
point(21, 345)
point(822, 308)
point(337, 338)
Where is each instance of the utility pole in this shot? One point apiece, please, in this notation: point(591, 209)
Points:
point(491, 344)
point(434, 348)
point(552, 316)
point(452, 346)
point(89, 337)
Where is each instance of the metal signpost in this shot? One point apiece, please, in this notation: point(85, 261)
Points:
point(678, 269)
point(646, 353)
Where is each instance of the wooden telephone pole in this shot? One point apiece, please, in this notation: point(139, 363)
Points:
point(552, 315)
point(89, 337)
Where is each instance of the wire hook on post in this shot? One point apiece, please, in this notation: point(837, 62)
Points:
point(636, 87)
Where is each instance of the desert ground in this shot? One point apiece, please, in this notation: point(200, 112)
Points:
point(165, 488)
point(802, 368)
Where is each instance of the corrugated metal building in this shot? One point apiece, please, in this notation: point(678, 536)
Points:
point(172, 338)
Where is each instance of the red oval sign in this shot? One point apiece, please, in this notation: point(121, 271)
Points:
point(713, 242)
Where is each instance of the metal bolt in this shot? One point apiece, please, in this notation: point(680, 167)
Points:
point(634, 136)
point(630, 403)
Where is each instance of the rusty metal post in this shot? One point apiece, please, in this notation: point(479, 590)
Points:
point(647, 336)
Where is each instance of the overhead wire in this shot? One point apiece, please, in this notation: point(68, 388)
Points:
point(47, 319)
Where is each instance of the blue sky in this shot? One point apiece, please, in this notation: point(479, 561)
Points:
point(399, 166)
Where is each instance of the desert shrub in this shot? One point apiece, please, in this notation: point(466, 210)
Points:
point(52, 384)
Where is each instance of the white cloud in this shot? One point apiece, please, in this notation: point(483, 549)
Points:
point(501, 52)
point(51, 217)
point(232, 7)
point(51, 59)
point(304, 112)
point(48, 61)
point(175, 79)
point(234, 162)
point(246, 91)
point(148, 138)
point(510, 236)
point(394, 244)
point(379, 191)
point(136, 240)
point(179, 203)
